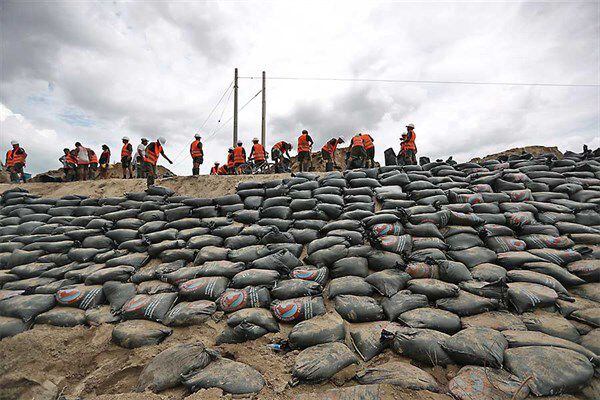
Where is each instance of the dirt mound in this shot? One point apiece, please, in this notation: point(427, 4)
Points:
point(534, 150)
point(114, 171)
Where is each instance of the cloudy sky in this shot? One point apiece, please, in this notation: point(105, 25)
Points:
point(95, 71)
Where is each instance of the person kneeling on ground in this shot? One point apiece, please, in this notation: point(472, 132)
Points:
point(280, 154)
point(153, 151)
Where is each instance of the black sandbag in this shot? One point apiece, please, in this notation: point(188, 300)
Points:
point(31, 270)
point(11, 327)
point(473, 256)
point(477, 346)
point(466, 304)
point(327, 256)
point(421, 345)
point(401, 302)
point(317, 330)
point(62, 316)
point(433, 288)
point(26, 307)
point(282, 261)
point(80, 296)
point(178, 254)
point(230, 376)
point(309, 273)
point(248, 297)
point(381, 260)
point(463, 241)
point(150, 307)
point(388, 282)
point(355, 266)
point(138, 333)
point(551, 324)
point(431, 318)
point(160, 235)
point(298, 309)
point(536, 277)
point(524, 296)
point(190, 313)
point(482, 383)
point(211, 253)
point(205, 288)
point(255, 277)
point(121, 274)
point(20, 257)
point(165, 369)
point(291, 288)
point(358, 308)
point(398, 374)
point(560, 257)
point(321, 362)
point(395, 244)
point(117, 294)
point(549, 370)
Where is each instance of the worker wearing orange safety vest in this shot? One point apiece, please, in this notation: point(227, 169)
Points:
point(305, 143)
point(126, 153)
point(408, 147)
point(69, 163)
point(258, 153)
point(222, 170)
point(153, 151)
point(215, 168)
point(239, 154)
point(328, 153)
point(280, 154)
point(357, 154)
point(369, 150)
point(197, 154)
point(230, 163)
point(15, 162)
point(83, 161)
point(93, 164)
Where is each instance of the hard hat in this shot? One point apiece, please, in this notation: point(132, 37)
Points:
point(231, 149)
point(144, 139)
point(126, 138)
point(255, 140)
point(197, 136)
point(216, 163)
point(411, 126)
point(13, 142)
point(239, 142)
point(162, 140)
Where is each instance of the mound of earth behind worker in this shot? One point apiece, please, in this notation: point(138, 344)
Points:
point(114, 172)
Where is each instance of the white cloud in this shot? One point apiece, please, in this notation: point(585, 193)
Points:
point(97, 71)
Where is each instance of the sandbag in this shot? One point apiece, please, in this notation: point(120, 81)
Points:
point(431, 318)
point(138, 333)
point(399, 374)
point(477, 346)
point(190, 313)
point(80, 296)
point(366, 339)
point(230, 376)
point(321, 362)
point(150, 307)
point(401, 302)
point(358, 308)
point(298, 309)
point(525, 296)
point(481, 383)
point(205, 288)
point(421, 345)
point(250, 296)
point(62, 316)
point(26, 307)
point(317, 330)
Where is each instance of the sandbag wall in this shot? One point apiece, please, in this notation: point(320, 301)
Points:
point(492, 264)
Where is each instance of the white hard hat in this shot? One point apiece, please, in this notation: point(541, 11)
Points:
point(13, 142)
point(162, 140)
point(255, 139)
point(144, 139)
point(197, 136)
point(411, 126)
point(239, 142)
point(231, 149)
point(216, 163)
point(125, 138)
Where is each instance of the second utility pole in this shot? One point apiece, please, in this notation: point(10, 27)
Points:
point(235, 108)
point(263, 137)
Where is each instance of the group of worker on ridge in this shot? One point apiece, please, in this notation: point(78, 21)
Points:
point(82, 163)
point(360, 153)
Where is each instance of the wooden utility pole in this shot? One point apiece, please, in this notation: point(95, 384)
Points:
point(263, 137)
point(235, 108)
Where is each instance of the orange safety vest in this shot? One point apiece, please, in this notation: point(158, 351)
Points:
point(368, 141)
point(258, 151)
point(357, 141)
point(70, 158)
point(13, 158)
point(152, 156)
point(194, 150)
point(330, 148)
point(125, 152)
point(238, 155)
point(230, 159)
point(213, 170)
point(410, 144)
point(303, 144)
point(222, 170)
point(93, 157)
point(279, 146)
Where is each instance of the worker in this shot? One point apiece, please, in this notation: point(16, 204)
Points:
point(258, 153)
point(197, 154)
point(239, 155)
point(126, 153)
point(230, 161)
point(15, 162)
point(280, 154)
point(357, 155)
point(222, 170)
point(69, 163)
point(83, 161)
point(139, 158)
point(328, 152)
point(93, 169)
point(305, 143)
point(153, 151)
point(369, 150)
point(104, 162)
point(215, 168)
point(408, 147)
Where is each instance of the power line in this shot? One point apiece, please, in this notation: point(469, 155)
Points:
point(218, 128)
point(295, 78)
